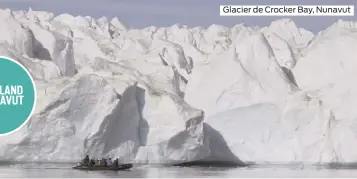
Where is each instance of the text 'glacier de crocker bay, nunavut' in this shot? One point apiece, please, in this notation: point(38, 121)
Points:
point(17, 95)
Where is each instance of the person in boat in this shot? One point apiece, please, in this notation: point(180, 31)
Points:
point(109, 162)
point(104, 160)
point(85, 161)
point(116, 162)
point(92, 162)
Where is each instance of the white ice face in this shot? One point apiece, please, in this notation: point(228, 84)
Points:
point(175, 94)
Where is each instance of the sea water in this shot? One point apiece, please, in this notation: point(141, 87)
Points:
point(149, 171)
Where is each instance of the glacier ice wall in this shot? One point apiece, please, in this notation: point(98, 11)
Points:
point(179, 95)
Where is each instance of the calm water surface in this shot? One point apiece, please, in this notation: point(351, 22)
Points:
point(65, 171)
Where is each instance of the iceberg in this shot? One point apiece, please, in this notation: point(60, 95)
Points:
point(177, 95)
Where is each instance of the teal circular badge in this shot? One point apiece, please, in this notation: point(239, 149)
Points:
point(17, 95)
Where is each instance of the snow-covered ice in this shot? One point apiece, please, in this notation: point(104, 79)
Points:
point(176, 94)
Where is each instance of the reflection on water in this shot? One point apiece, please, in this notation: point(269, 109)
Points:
point(141, 171)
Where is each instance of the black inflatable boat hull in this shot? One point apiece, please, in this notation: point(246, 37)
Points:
point(113, 168)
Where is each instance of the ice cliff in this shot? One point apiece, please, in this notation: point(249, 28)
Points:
point(175, 94)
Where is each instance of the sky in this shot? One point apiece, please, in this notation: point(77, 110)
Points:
point(144, 13)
